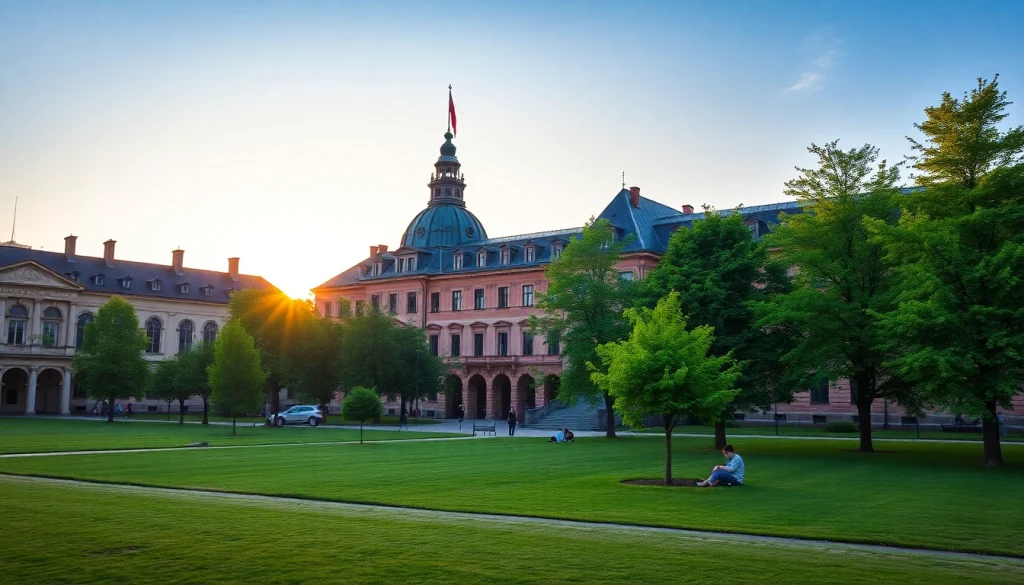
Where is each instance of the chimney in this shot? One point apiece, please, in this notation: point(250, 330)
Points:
point(373, 251)
point(178, 261)
point(634, 196)
point(108, 253)
point(233, 268)
point(383, 248)
point(69, 248)
point(687, 208)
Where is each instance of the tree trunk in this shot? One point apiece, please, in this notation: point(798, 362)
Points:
point(323, 410)
point(233, 424)
point(668, 450)
point(720, 440)
point(206, 410)
point(181, 411)
point(275, 400)
point(609, 410)
point(864, 424)
point(360, 432)
point(990, 436)
point(110, 408)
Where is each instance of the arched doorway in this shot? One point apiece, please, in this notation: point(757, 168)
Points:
point(502, 393)
point(477, 399)
point(13, 391)
point(452, 395)
point(551, 384)
point(526, 394)
point(48, 391)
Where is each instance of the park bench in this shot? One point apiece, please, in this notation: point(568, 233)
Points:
point(484, 427)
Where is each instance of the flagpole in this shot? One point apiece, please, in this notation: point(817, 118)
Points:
point(449, 115)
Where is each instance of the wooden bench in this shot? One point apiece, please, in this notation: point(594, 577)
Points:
point(484, 427)
point(961, 428)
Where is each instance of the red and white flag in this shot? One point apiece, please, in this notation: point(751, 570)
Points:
point(451, 111)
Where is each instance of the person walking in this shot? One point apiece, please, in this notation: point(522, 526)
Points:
point(403, 421)
point(512, 422)
point(462, 414)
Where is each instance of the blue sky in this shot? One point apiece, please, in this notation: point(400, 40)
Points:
point(296, 134)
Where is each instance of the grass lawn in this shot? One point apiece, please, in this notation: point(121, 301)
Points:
point(22, 435)
point(332, 419)
point(195, 539)
point(932, 495)
point(818, 431)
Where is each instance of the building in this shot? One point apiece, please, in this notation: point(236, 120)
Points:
point(47, 298)
point(473, 296)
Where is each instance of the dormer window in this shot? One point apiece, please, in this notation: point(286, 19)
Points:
point(125, 282)
point(530, 254)
point(98, 279)
point(207, 290)
point(155, 285)
point(556, 250)
point(506, 256)
point(74, 275)
point(377, 268)
point(458, 259)
point(183, 288)
point(401, 265)
point(412, 264)
point(481, 258)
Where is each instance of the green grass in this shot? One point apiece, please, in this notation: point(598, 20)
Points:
point(818, 431)
point(22, 435)
point(331, 419)
point(194, 539)
point(928, 495)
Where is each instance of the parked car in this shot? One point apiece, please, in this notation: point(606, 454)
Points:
point(298, 414)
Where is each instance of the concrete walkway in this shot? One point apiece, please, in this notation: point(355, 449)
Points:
point(397, 512)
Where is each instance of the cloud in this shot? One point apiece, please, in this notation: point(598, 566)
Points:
point(825, 51)
point(806, 82)
point(827, 60)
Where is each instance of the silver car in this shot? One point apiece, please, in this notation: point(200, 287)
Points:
point(298, 414)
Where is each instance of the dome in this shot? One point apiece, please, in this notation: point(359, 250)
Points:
point(447, 149)
point(443, 225)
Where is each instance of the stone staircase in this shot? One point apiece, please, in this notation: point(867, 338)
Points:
point(579, 417)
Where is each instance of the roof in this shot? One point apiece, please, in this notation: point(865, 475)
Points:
point(638, 222)
point(140, 273)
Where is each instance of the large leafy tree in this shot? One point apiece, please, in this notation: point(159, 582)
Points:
point(390, 357)
point(273, 321)
point(361, 404)
point(112, 361)
point(236, 376)
point(192, 375)
point(583, 308)
point(667, 369)
point(843, 282)
point(315, 369)
point(720, 271)
point(958, 329)
point(165, 385)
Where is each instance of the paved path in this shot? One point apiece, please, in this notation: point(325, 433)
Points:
point(1011, 563)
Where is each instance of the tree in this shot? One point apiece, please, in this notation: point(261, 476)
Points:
point(236, 376)
point(111, 360)
point(193, 376)
point(165, 385)
point(316, 361)
point(843, 282)
point(720, 271)
point(272, 320)
point(665, 368)
point(361, 404)
point(582, 308)
point(959, 248)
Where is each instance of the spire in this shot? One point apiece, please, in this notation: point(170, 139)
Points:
point(447, 182)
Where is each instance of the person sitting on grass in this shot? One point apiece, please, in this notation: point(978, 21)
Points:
point(729, 474)
point(558, 438)
point(569, 436)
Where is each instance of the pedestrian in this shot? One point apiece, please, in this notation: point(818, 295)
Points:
point(512, 422)
point(117, 410)
point(128, 410)
point(403, 421)
point(462, 413)
point(1002, 424)
point(96, 408)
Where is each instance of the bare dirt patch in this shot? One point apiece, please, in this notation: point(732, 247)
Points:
point(676, 482)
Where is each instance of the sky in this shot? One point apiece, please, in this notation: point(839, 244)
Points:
point(296, 134)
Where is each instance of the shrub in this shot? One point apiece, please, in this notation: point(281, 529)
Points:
point(841, 426)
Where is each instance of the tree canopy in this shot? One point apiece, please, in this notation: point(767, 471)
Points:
point(316, 359)
point(236, 375)
point(361, 404)
point(192, 374)
point(165, 385)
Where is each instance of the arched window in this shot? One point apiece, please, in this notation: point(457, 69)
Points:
point(17, 325)
point(153, 330)
point(83, 320)
point(51, 326)
point(185, 330)
point(209, 332)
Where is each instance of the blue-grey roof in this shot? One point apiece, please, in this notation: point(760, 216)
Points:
point(443, 225)
point(637, 223)
point(141, 274)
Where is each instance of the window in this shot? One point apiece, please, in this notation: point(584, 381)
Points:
point(411, 306)
point(98, 280)
point(375, 302)
point(527, 343)
point(435, 302)
point(527, 295)
point(506, 256)
point(401, 265)
point(478, 299)
point(502, 297)
point(376, 268)
point(327, 309)
point(531, 254)
point(554, 347)
point(556, 251)
point(209, 332)
point(393, 303)
point(208, 291)
point(17, 325)
point(481, 258)
point(155, 285)
point(819, 392)
point(185, 330)
point(456, 345)
point(478, 344)
point(51, 326)
point(183, 288)
point(502, 343)
point(73, 275)
point(412, 264)
point(153, 331)
point(456, 300)
point(433, 345)
point(627, 275)
point(457, 262)
point(83, 320)
point(125, 282)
